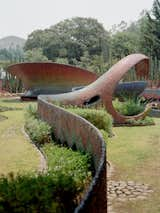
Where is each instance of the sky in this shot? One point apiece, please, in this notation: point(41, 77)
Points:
point(21, 17)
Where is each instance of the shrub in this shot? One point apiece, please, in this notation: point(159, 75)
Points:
point(38, 193)
point(99, 118)
point(64, 160)
point(146, 121)
point(31, 111)
point(129, 107)
point(69, 170)
point(105, 135)
point(39, 131)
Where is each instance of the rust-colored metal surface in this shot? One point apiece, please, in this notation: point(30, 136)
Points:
point(142, 69)
point(103, 88)
point(50, 78)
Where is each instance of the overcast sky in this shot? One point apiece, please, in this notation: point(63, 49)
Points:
point(21, 17)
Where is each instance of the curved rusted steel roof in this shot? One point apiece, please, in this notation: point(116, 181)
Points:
point(105, 85)
point(42, 74)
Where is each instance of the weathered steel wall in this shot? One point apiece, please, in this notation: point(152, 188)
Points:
point(76, 131)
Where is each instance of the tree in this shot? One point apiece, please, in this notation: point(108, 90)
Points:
point(150, 38)
point(34, 55)
point(71, 39)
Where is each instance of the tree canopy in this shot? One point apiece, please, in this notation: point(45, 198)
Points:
point(71, 40)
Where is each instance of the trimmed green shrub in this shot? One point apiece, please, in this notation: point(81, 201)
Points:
point(105, 135)
point(39, 131)
point(99, 118)
point(71, 163)
point(38, 193)
point(129, 107)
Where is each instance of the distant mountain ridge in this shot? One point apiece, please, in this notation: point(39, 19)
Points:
point(11, 41)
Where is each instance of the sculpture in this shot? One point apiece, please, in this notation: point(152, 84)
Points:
point(52, 78)
point(103, 88)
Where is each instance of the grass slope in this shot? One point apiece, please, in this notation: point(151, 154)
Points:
point(16, 153)
point(135, 153)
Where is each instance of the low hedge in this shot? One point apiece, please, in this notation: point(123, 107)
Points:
point(39, 131)
point(38, 193)
point(68, 174)
point(99, 118)
point(73, 164)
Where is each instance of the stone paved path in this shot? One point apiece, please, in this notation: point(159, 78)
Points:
point(124, 191)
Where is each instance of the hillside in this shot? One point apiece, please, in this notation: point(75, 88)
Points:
point(11, 41)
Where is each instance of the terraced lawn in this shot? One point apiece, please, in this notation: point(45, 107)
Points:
point(17, 154)
point(135, 155)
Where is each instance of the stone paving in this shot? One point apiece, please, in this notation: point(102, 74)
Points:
point(125, 191)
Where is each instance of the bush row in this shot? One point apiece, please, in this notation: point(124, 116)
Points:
point(38, 193)
point(59, 189)
point(99, 118)
point(38, 130)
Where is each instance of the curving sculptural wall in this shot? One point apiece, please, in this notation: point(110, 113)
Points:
point(76, 131)
point(103, 88)
point(50, 78)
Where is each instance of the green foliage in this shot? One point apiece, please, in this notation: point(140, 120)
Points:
point(123, 44)
point(68, 173)
point(37, 193)
point(129, 107)
point(73, 164)
point(150, 38)
point(105, 135)
point(31, 111)
point(12, 54)
point(146, 121)
point(71, 40)
point(39, 131)
point(99, 118)
point(35, 55)
point(11, 83)
point(56, 191)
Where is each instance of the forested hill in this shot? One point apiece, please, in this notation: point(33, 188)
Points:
point(11, 42)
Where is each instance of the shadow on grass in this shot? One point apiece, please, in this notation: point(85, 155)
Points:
point(12, 100)
point(2, 118)
point(4, 108)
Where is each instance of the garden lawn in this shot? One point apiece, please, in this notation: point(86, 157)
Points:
point(17, 154)
point(135, 155)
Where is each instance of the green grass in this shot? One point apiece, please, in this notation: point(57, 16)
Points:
point(16, 153)
point(135, 154)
